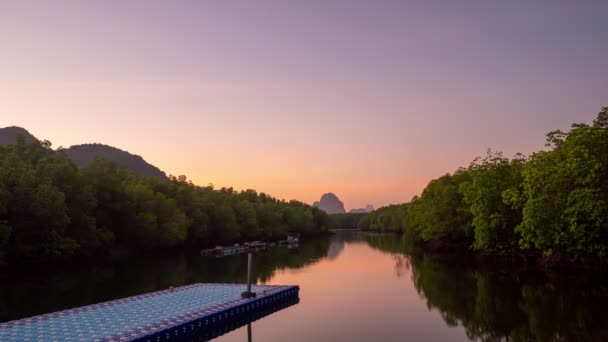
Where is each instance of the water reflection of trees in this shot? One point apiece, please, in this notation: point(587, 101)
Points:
point(402, 265)
point(36, 290)
point(508, 305)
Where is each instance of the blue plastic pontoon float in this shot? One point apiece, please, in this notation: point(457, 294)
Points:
point(158, 316)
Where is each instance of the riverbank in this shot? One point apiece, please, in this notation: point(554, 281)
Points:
point(445, 249)
point(555, 261)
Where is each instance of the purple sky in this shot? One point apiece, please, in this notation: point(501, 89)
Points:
point(368, 99)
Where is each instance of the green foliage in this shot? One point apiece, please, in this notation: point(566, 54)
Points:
point(155, 219)
point(554, 202)
point(348, 221)
point(493, 219)
point(50, 207)
point(320, 219)
point(565, 192)
point(299, 220)
point(440, 213)
point(389, 218)
point(32, 192)
point(5, 228)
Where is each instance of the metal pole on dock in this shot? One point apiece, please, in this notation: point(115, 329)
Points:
point(248, 293)
point(249, 265)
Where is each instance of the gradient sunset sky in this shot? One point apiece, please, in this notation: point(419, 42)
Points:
point(366, 99)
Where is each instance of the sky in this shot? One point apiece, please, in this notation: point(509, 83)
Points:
point(367, 99)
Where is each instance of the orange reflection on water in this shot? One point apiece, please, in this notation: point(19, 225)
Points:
point(360, 294)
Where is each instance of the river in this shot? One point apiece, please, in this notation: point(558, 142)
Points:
point(353, 287)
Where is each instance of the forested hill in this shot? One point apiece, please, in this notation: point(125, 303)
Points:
point(84, 155)
point(553, 202)
point(50, 207)
point(8, 135)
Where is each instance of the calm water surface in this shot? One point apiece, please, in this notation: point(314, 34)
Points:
point(353, 287)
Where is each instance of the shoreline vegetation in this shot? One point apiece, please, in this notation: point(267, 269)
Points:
point(51, 209)
point(551, 206)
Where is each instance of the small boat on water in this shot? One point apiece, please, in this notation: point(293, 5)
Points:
point(235, 249)
point(291, 240)
point(253, 246)
point(224, 250)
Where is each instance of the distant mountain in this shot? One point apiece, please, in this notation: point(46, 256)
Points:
point(83, 155)
point(8, 135)
point(368, 209)
point(331, 204)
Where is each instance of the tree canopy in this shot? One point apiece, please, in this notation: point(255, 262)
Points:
point(50, 207)
point(555, 201)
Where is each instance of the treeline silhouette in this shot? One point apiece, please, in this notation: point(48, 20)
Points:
point(50, 207)
point(554, 201)
point(345, 221)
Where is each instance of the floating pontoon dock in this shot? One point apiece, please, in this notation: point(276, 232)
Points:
point(166, 315)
